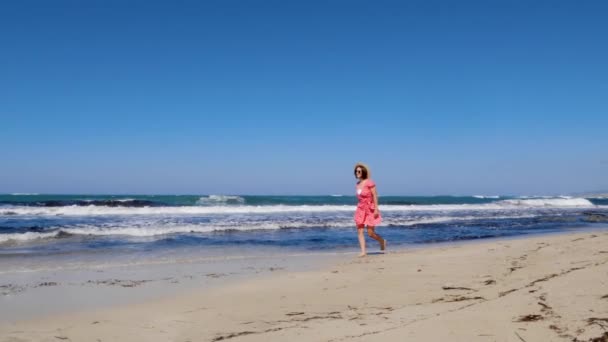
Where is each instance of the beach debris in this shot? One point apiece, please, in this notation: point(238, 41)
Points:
point(225, 337)
point(242, 333)
point(215, 275)
point(543, 279)
point(556, 328)
point(46, 283)
point(556, 275)
point(118, 282)
point(514, 268)
point(602, 338)
point(529, 318)
point(457, 288)
point(504, 293)
point(456, 299)
point(462, 298)
point(521, 338)
point(602, 322)
point(331, 315)
point(546, 308)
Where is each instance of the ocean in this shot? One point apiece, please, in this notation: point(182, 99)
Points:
point(79, 225)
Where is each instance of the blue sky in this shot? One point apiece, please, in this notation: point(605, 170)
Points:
point(283, 97)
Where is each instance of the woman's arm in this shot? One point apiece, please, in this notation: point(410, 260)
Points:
point(375, 194)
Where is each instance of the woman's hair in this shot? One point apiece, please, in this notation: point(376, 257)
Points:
point(365, 173)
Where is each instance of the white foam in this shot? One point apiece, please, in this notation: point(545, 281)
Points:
point(26, 236)
point(484, 197)
point(442, 219)
point(219, 199)
point(168, 229)
point(184, 210)
point(272, 209)
point(559, 202)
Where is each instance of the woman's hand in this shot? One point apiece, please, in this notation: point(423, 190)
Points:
point(376, 213)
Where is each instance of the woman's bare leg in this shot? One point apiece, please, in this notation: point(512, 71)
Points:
point(371, 231)
point(361, 240)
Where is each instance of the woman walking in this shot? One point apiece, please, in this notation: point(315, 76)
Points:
point(367, 213)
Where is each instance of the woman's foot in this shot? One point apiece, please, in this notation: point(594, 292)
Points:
point(362, 255)
point(383, 244)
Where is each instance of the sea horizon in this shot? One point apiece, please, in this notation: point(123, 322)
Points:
point(540, 194)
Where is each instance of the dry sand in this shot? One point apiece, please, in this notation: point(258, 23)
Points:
point(547, 288)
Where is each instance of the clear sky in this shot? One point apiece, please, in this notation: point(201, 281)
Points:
point(283, 97)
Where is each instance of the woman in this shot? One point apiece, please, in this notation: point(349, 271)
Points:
point(367, 213)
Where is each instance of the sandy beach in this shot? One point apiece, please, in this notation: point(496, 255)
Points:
point(208, 171)
point(542, 288)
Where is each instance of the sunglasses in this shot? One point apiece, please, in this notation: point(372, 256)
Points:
point(358, 171)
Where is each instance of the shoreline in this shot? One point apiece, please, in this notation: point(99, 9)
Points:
point(409, 292)
point(42, 292)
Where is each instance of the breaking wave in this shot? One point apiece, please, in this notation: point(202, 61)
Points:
point(169, 229)
point(218, 205)
point(220, 199)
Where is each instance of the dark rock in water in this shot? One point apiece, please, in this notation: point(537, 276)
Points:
point(35, 229)
point(63, 234)
point(124, 203)
point(51, 203)
point(595, 217)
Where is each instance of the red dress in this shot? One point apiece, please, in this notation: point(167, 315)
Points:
point(364, 215)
